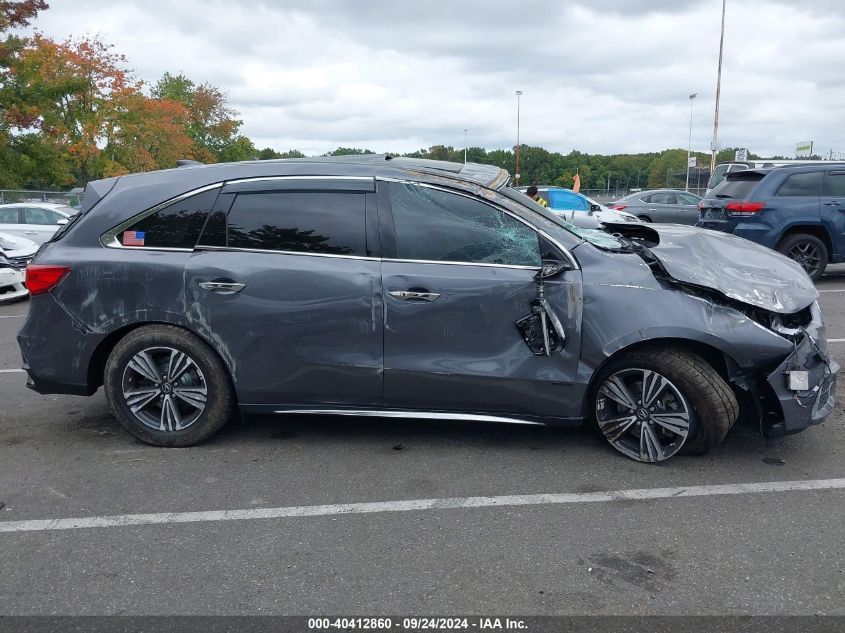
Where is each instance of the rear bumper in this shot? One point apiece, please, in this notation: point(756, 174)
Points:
point(801, 409)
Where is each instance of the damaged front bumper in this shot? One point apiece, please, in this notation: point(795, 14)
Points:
point(804, 384)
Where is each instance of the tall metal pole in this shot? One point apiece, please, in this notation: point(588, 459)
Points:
point(689, 140)
point(714, 145)
point(516, 175)
point(465, 145)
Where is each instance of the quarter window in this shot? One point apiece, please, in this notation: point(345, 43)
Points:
point(835, 185)
point(177, 225)
point(433, 225)
point(806, 184)
point(299, 222)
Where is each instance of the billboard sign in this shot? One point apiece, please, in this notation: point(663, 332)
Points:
point(804, 148)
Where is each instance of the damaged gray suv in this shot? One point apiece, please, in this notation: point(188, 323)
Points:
point(417, 289)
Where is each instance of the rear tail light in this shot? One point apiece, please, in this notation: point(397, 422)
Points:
point(620, 207)
point(43, 278)
point(745, 207)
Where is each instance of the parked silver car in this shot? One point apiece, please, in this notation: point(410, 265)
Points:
point(36, 221)
point(661, 205)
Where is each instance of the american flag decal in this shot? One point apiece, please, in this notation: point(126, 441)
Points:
point(133, 238)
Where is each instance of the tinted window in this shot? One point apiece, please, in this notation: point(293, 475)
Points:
point(567, 201)
point(737, 187)
point(687, 198)
point(434, 225)
point(806, 184)
point(36, 215)
point(177, 225)
point(330, 223)
point(9, 215)
point(835, 185)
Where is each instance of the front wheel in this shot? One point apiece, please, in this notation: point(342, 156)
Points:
point(807, 250)
point(650, 405)
point(167, 387)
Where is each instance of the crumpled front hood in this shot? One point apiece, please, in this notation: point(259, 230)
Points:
point(735, 267)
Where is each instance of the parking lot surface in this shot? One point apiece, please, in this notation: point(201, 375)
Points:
point(728, 549)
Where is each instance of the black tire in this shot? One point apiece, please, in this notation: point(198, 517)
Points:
point(207, 373)
point(799, 248)
point(644, 218)
point(713, 407)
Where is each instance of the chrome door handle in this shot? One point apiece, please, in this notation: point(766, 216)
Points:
point(409, 295)
point(222, 287)
point(832, 204)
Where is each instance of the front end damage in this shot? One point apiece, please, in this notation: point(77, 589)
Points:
point(780, 397)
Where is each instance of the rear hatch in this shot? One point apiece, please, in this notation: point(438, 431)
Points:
point(731, 201)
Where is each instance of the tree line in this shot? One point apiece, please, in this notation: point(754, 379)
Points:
point(71, 111)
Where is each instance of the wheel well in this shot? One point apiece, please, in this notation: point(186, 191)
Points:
point(712, 355)
point(809, 229)
point(97, 366)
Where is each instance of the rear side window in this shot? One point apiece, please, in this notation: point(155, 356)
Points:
point(177, 225)
point(806, 184)
point(9, 215)
point(835, 185)
point(299, 222)
point(566, 201)
point(434, 225)
point(737, 188)
point(663, 198)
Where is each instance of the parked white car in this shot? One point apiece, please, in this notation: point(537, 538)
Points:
point(15, 254)
point(36, 221)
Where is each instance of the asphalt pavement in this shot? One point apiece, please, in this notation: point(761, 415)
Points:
point(270, 516)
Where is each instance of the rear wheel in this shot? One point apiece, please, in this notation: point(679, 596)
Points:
point(167, 387)
point(807, 250)
point(651, 404)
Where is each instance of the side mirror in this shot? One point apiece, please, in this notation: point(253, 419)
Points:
point(594, 208)
point(551, 268)
point(62, 222)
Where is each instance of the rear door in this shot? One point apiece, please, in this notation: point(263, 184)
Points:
point(832, 208)
point(286, 283)
point(458, 273)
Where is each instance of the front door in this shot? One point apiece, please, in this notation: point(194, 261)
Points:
point(461, 276)
point(833, 208)
point(287, 288)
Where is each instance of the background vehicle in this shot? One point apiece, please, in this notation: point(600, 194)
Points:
point(574, 206)
point(797, 210)
point(36, 221)
point(660, 205)
point(411, 288)
point(19, 251)
point(731, 166)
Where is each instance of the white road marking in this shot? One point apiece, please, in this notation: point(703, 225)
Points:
point(124, 520)
point(836, 290)
point(836, 340)
point(12, 316)
point(11, 371)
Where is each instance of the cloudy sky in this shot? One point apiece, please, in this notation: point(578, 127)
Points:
point(393, 75)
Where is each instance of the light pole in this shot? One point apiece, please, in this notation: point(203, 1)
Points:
point(714, 145)
point(516, 175)
point(465, 145)
point(689, 140)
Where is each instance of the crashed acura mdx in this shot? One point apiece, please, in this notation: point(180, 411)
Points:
point(410, 288)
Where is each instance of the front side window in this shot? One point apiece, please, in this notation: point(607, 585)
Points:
point(434, 225)
point(806, 184)
point(330, 223)
point(687, 198)
point(177, 225)
point(44, 217)
point(835, 185)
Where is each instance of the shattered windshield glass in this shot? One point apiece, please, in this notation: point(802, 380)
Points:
point(434, 225)
point(596, 237)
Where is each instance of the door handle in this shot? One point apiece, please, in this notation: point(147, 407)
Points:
point(832, 203)
point(413, 295)
point(222, 287)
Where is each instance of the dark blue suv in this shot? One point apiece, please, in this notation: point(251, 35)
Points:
point(797, 210)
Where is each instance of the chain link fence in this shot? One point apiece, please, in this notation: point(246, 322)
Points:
point(10, 196)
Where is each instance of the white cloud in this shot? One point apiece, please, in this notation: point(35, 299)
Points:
point(599, 76)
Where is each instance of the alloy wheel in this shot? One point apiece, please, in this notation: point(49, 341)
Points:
point(642, 414)
point(807, 254)
point(164, 389)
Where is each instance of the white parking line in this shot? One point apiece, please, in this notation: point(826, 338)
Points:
point(835, 290)
point(836, 340)
point(12, 316)
point(124, 520)
point(11, 371)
